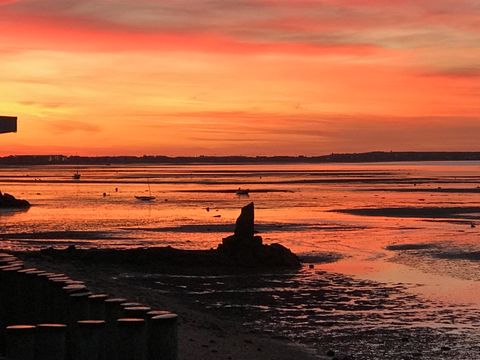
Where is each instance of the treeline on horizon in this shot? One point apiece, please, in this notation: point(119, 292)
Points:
point(376, 156)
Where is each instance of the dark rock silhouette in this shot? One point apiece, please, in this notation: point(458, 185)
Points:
point(243, 248)
point(245, 225)
point(240, 251)
point(8, 201)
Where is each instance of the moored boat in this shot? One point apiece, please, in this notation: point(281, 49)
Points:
point(241, 191)
point(145, 198)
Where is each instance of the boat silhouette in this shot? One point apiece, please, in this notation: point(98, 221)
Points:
point(146, 198)
point(244, 192)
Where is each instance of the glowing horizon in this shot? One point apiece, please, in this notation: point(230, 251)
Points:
point(247, 77)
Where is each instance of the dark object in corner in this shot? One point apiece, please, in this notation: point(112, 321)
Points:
point(243, 248)
point(8, 124)
point(8, 201)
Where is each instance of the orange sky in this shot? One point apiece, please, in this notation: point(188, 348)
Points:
point(247, 77)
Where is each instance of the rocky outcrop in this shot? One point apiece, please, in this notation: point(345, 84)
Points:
point(245, 225)
point(243, 248)
point(8, 201)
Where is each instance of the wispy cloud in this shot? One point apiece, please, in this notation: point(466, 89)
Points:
point(309, 133)
point(237, 75)
point(456, 72)
point(68, 126)
point(313, 23)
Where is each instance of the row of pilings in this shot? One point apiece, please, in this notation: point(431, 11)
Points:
point(49, 316)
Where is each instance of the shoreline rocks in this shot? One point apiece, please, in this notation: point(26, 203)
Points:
point(240, 251)
point(243, 248)
point(8, 201)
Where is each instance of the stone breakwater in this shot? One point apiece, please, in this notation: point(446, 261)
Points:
point(49, 316)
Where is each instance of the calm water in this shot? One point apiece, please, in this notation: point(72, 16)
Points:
point(428, 281)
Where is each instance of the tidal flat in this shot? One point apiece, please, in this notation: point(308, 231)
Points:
point(396, 275)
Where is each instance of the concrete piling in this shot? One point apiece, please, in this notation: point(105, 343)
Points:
point(43, 292)
point(23, 296)
point(20, 342)
point(131, 304)
point(89, 340)
point(11, 292)
point(37, 291)
point(7, 299)
point(31, 296)
point(97, 306)
point(57, 301)
point(4, 259)
point(78, 307)
point(156, 345)
point(162, 337)
point(139, 312)
point(16, 263)
point(77, 310)
point(74, 288)
point(64, 297)
point(73, 323)
point(18, 292)
point(50, 342)
point(113, 312)
point(131, 339)
point(152, 313)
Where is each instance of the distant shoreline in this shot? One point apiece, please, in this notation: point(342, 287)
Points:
point(367, 157)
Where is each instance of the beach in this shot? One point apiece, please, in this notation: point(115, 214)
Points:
point(390, 252)
point(202, 335)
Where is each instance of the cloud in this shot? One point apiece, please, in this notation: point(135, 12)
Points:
point(255, 133)
point(313, 134)
point(456, 72)
point(179, 66)
point(69, 126)
point(45, 105)
point(256, 25)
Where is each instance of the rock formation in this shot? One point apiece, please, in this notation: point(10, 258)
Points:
point(8, 201)
point(240, 251)
point(243, 248)
point(245, 226)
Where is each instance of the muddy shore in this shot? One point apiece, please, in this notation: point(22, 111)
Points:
point(346, 318)
point(202, 335)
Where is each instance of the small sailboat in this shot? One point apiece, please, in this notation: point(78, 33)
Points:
point(146, 198)
point(77, 175)
point(242, 192)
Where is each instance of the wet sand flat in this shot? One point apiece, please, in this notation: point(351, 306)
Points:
point(370, 295)
point(472, 212)
point(260, 315)
point(441, 190)
point(202, 335)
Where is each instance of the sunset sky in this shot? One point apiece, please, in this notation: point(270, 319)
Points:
point(246, 77)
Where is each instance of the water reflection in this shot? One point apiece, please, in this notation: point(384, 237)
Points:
point(380, 276)
point(312, 305)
